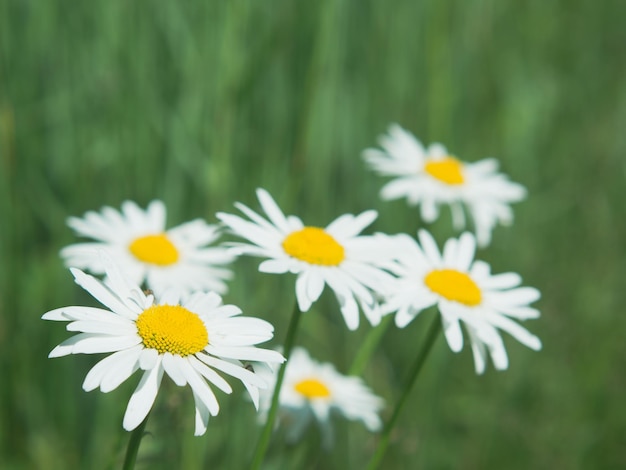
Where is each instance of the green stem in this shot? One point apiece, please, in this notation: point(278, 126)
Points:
point(431, 336)
point(368, 346)
point(264, 440)
point(133, 445)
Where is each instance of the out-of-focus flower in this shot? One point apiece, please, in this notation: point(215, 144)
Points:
point(138, 243)
point(432, 177)
point(312, 391)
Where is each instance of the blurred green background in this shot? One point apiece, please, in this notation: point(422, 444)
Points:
point(198, 103)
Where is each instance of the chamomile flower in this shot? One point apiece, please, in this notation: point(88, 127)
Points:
point(139, 244)
point(335, 256)
point(464, 291)
point(311, 391)
point(432, 177)
point(189, 342)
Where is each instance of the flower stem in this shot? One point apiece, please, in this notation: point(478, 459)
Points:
point(133, 445)
point(261, 448)
point(431, 336)
point(368, 346)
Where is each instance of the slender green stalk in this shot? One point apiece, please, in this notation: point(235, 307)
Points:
point(261, 448)
point(133, 445)
point(368, 346)
point(422, 354)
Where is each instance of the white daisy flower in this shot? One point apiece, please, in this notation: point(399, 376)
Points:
point(431, 177)
point(139, 244)
point(189, 342)
point(312, 390)
point(335, 256)
point(463, 290)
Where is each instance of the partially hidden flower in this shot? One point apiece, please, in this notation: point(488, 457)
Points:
point(145, 251)
point(464, 291)
point(190, 342)
point(430, 177)
point(312, 391)
point(337, 256)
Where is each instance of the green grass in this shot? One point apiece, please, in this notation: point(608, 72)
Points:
point(199, 103)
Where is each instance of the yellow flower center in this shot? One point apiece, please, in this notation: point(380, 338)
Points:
point(454, 285)
point(315, 246)
point(173, 329)
point(449, 170)
point(312, 388)
point(154, 249)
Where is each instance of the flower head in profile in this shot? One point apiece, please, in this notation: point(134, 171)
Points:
point(465, 292)
point(336, 256)
point(432, 177)
point(311, 391)
point(190, 342)
point(139, 244)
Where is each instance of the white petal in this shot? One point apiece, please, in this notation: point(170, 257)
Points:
point(348, 226)
point(467, 248)
point(125, 366)
point(148, 359)
point(304, 302)
point(518, 297)
point(234, 370)
point(210, 375)
point(275, 266)
point(199, 386)
point(82, 313)
point(453, 333)
point(479, 352)
point(170, 296)
point(350, 311)
point(429, 247)
point(498, 355)
point(143, 398)
point(101, 293)
point(170, 365)
point(245, 353)
point(202, 415)
point(272, 210)
point(97, 372)
point(103, 328)
point(404, 317)
point(315, 284)
point(517, 331)
point(502, 281)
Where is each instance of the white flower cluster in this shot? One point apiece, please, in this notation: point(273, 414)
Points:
point(163, 314)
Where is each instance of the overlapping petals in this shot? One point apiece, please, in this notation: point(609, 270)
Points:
point(113, 329)
point(501, 300)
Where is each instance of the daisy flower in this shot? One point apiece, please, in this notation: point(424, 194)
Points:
point(312, 390)
point(431, 177)
point(463, 290)
point(189, 342)
point(335, 256)
point(139, 244)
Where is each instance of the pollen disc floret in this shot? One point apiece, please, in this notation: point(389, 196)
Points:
point(449, 170)
point(137, 241)
point(315, 246)
point(453, 285)
point(312, 391)
point(352, 265)
point(154, 249)
point(163, 338)
point(172, 329)
point(464, 291)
